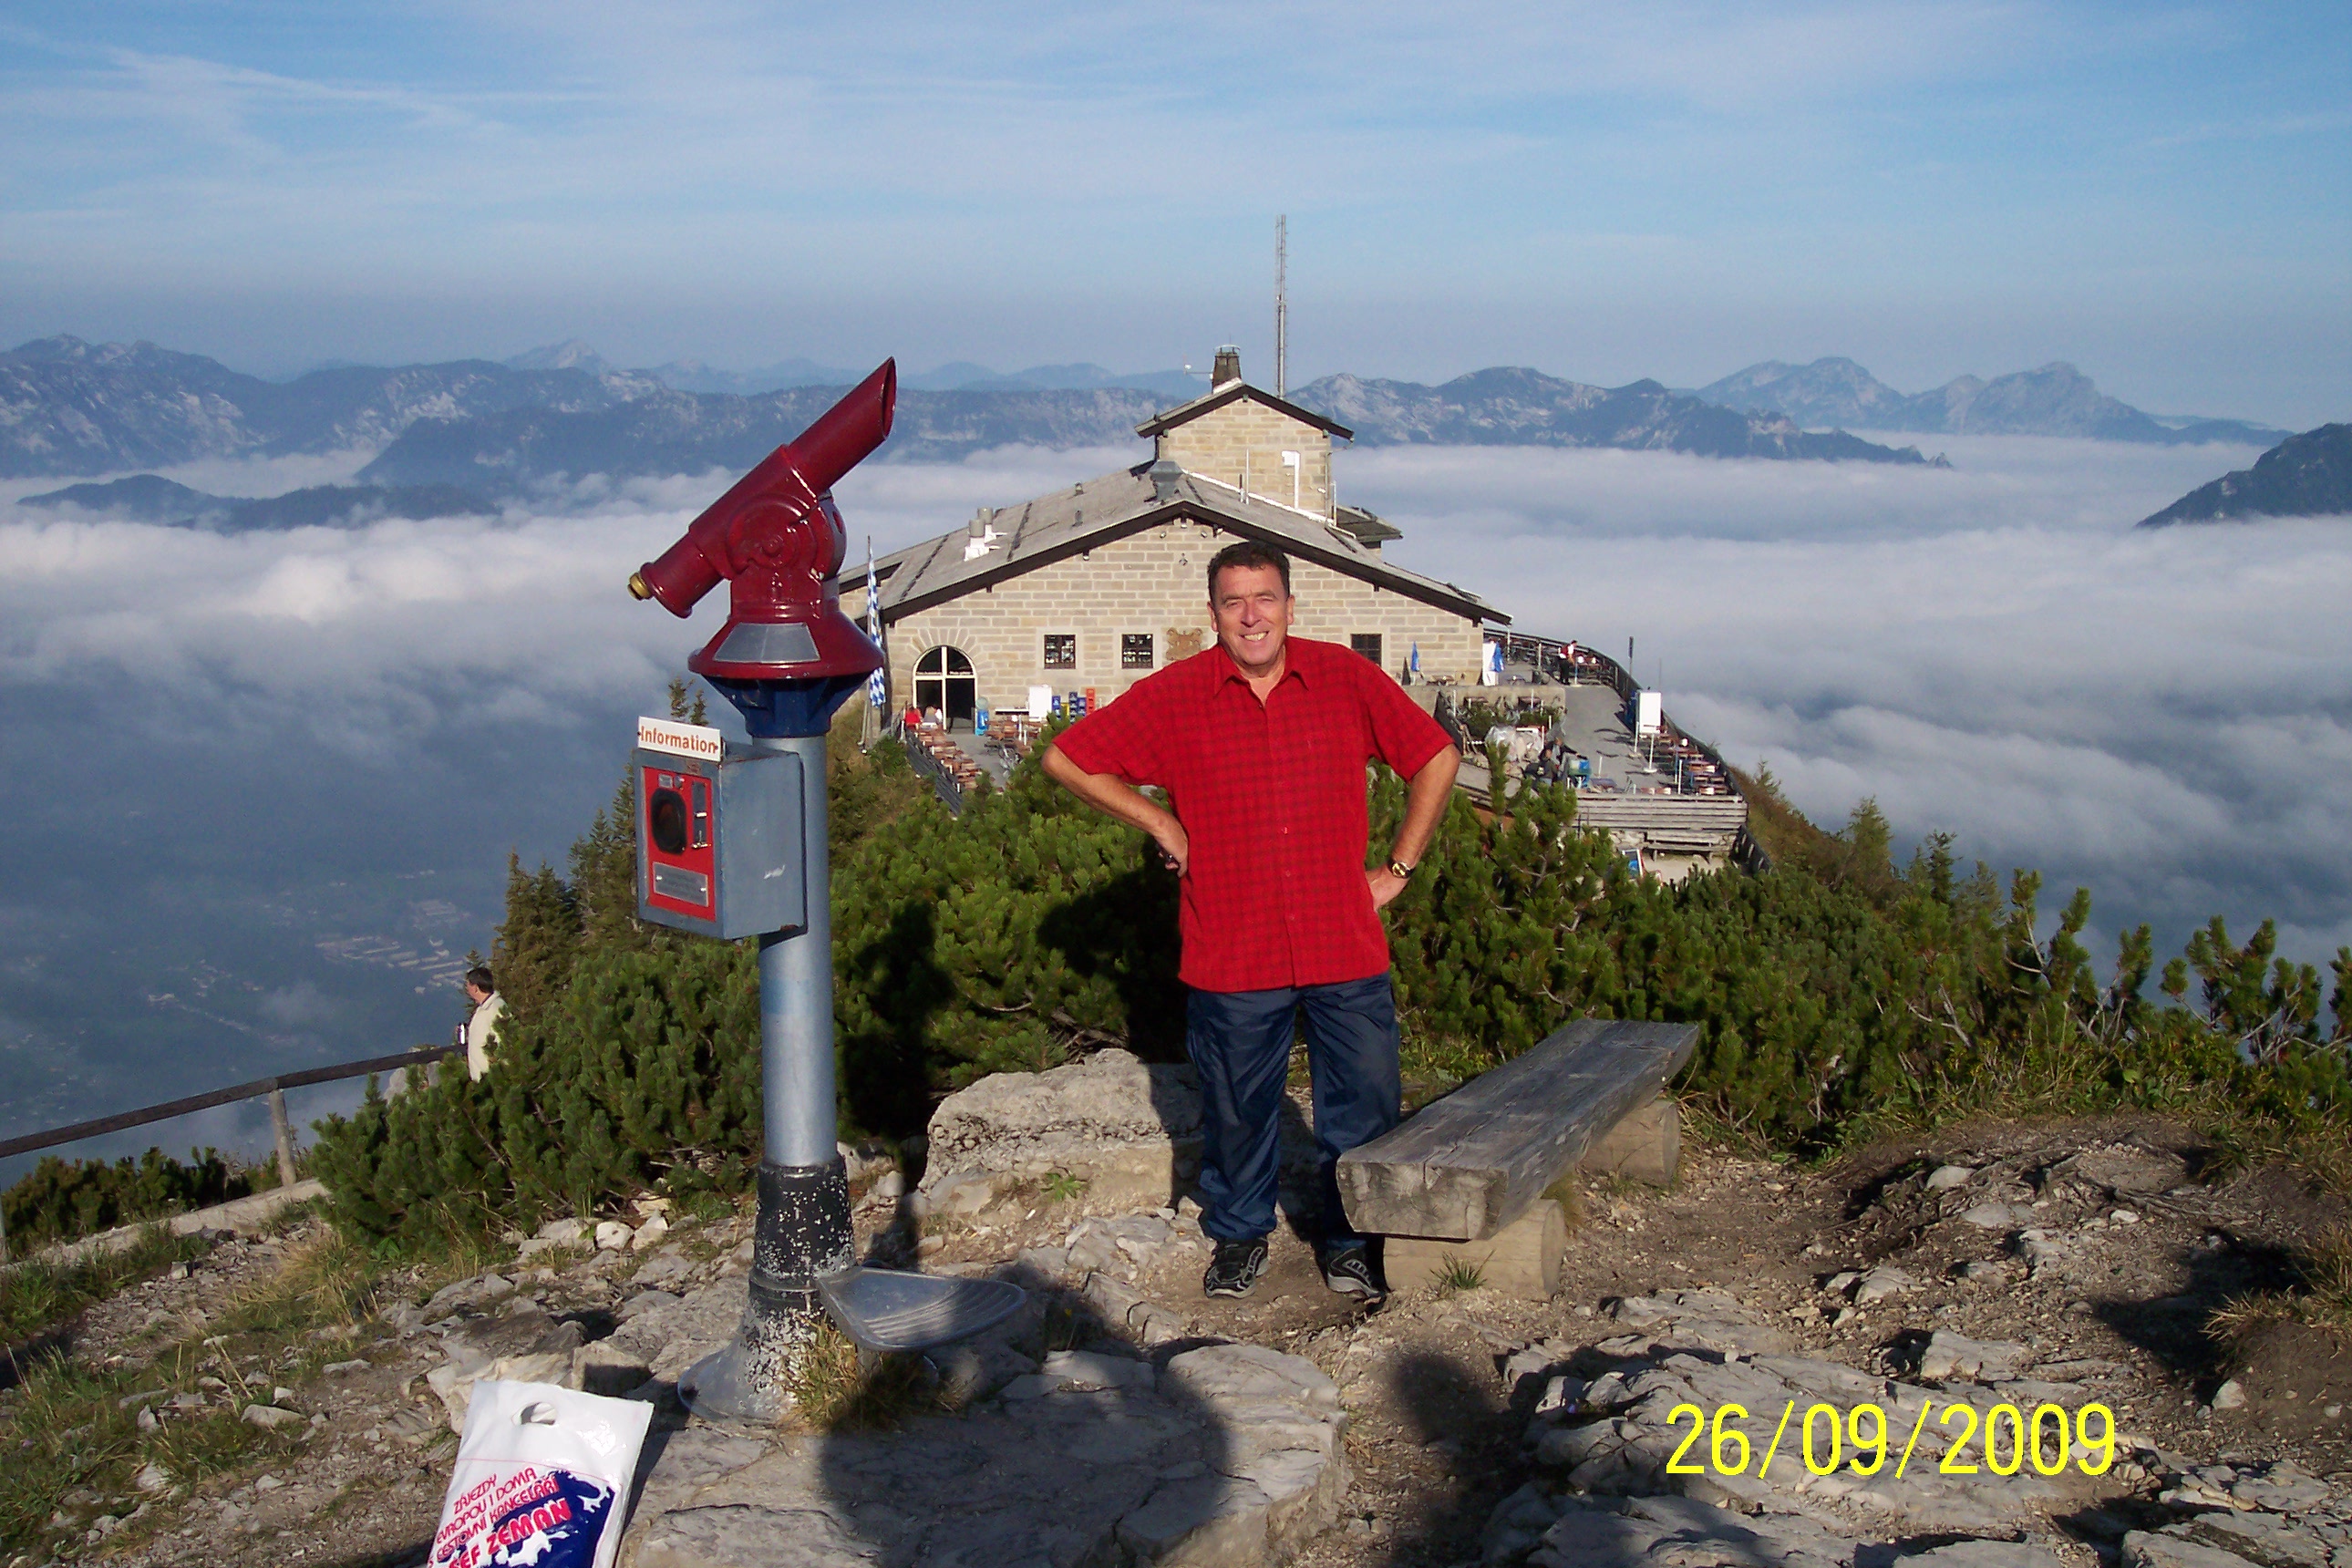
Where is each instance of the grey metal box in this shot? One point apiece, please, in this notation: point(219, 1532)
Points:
point(739, 867)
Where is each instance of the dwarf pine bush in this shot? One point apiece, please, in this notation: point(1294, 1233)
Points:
point(1835, 993)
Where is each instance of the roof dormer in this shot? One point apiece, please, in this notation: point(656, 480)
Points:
point(1245, 437)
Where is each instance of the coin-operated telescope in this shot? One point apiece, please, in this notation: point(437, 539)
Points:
point(777, 540)
point(732, 842)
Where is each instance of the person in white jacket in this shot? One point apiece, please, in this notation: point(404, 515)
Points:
point(480, 1031)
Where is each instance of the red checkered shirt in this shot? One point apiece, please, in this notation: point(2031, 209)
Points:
point(1272, 798)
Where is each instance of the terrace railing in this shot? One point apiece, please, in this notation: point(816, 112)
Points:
point(274, 1088)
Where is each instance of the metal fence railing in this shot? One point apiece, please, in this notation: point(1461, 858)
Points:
point(275, 1087)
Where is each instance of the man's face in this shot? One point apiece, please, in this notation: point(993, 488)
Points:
point(476, 994)
point(1251, 612)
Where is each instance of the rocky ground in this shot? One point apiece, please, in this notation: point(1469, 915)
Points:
point(1125, 1418)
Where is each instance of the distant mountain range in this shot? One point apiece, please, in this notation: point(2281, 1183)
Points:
point(2056, 400)
point(150, 498)
point(1515, 407)
point(2309, 475)
point(70, 407)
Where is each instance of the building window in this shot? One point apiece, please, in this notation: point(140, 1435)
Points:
point(1368, 643)
point(1135, 650)
point(1061, 650)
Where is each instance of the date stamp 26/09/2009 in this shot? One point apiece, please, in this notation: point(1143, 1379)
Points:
point(2003, 1440)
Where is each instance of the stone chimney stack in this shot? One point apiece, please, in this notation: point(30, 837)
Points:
point(1228, 367)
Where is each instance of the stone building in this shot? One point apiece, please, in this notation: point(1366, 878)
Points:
point(1094, 587)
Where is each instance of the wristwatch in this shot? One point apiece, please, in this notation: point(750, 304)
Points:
point(1399, 870)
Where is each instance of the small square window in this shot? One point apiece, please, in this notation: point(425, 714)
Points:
point(1061, 650)
point(1368, 643)
point(1135, 650)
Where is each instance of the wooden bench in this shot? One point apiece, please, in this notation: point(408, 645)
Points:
point(1467, 1167)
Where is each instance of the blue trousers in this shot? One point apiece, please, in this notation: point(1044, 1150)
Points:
point(1240, 1046)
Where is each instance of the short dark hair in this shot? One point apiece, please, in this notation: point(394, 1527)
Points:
point(479, 977)
point(1248, 553)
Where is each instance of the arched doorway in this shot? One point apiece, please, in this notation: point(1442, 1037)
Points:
point(944, 680)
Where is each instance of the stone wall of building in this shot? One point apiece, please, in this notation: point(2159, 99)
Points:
point(1152, 584)
point(1242, 445)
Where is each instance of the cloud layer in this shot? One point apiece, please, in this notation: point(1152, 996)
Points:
point(2162, 715)
point(279, 738)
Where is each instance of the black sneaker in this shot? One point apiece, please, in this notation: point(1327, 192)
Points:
point(1234, 1270)
point(1348, 1270)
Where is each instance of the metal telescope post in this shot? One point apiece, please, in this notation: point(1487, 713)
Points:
point(786, 658)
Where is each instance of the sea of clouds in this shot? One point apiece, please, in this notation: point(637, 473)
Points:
point(229, 725)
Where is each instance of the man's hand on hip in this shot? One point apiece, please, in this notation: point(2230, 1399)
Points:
point(1385, 885)
point(1175, 846)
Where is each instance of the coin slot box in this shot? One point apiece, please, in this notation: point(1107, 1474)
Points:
point(720, 848)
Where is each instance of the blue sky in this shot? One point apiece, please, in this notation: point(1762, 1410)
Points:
point(2161, 194)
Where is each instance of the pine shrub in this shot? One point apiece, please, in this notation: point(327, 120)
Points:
point(60, 1199)
point(1834, 993)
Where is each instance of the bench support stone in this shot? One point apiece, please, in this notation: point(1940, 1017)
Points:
point(1645, 1147)
point(1523, 1258)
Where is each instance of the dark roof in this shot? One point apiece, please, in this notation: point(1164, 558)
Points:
point(1368, 527)
point(1169, 418)
point(1057, 526)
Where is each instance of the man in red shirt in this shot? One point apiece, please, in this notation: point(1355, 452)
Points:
point(1261, 744)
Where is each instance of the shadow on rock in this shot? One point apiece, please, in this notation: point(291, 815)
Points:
point(1054, 1441)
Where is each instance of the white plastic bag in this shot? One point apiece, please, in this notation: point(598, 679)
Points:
point(543, 1478)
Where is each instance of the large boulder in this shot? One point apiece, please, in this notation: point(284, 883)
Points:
point(1130, 1131)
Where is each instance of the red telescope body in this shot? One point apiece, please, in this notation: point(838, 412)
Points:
point(776, 538)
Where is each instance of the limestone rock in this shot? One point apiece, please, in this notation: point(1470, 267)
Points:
point(1130, 1131)
point(1981, 1554)
point(2265, 1540)
point(742, 1535)
point(467, 1294)
point(1881, 1282)
point(1680, 1533)
point(608, 1369)
point(1517, 1523)
point(1624, 1454)
point(1944, 1177)
point(2231, 1395)
point(1093, 1369)
point(521, 1347)
point(961, 1195)
point(1233, 1458)
point(2281, 1486)
point(2143, 1548)
point(1703, 1318)
point(272, 1416)
point(1947, 1354)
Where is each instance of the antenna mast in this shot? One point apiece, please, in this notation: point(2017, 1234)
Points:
point(1282, 305)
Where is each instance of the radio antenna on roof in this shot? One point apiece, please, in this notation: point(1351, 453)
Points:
point(1282, 305)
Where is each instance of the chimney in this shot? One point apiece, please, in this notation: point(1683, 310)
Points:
point(1164, 474)
point(980, 521)
point(1228, 368)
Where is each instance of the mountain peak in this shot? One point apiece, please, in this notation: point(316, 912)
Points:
point(571, 353)
point(2057, 399)
point(2309, 475)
